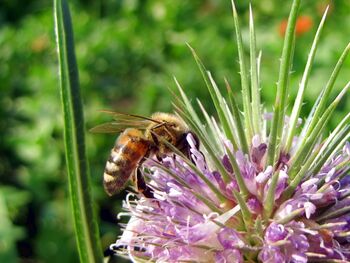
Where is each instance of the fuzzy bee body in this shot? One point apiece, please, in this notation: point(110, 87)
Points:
point(141, 138)
point(128, 151)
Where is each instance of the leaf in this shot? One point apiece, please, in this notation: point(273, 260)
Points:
point(210, 184)
point(238, 175)
point(185, 110)
point(303, 84)
point(237, 119)
point(282, 86)
point(304, 150)
point(87, 235)
point(280, 105)
point(211, 128)
point(255, 82)
point(219, 102)
point(244, 78)
point(335, 140)
point(302, 162)
point(9, 233)
point(320, 106)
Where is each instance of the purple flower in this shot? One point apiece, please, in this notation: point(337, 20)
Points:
point(176, 225)
point(246, 190)
point(275, 232)
point(271, 255)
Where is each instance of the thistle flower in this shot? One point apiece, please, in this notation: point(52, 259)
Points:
point(254, 190)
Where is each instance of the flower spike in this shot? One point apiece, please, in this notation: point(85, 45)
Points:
point(247, 187)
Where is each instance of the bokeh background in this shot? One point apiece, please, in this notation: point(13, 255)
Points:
point(128, 52)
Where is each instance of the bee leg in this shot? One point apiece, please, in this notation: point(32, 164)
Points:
point(155, 148)
point(173, 138)
point(159, 158)
point(109, 252)
point(142, 186)
point(113, 249)
point(154, 138)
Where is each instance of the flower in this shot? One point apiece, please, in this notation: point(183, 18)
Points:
point(245, 194)
point(177, 226)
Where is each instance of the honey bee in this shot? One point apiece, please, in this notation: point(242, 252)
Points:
point(140, 138)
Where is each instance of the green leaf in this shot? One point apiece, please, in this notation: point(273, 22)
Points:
point(211, 205)
point(244, 76)
point(219, 102)
point(302, 87)
point(211, 128)
point(237, 119)
point(282, 87)
point(255, 82)
point(270, 196)
point(238, 175)
point(212, 155)
point(86, 229)
point(187, 104)
point(336, 139)
point(212, 186)
point(319, 107)
point(185, 110)
point(335, 213)
point(303, 161)
point(9, 233)
point(246, 214)
point(280, 106)
point(290, 216)
point(304, 150)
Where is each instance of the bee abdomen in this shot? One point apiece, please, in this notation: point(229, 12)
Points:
point(120, 165)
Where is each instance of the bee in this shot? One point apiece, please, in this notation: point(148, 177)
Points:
point(140, 138)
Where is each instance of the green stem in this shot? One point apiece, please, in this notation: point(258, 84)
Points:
point(86, 229)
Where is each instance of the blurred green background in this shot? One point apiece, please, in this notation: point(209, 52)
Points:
point(128, 52)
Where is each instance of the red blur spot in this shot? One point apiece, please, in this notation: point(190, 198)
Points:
point(303, 25)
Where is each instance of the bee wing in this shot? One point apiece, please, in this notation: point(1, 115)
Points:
point(129, 117)
point(108, 127)
point(122, 122)
point(116, 127)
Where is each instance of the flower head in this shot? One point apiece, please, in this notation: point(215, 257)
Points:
point(247, 193)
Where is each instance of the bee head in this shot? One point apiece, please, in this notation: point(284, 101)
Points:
point(167, 127)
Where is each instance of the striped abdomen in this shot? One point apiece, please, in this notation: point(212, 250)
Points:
point(128, 151)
